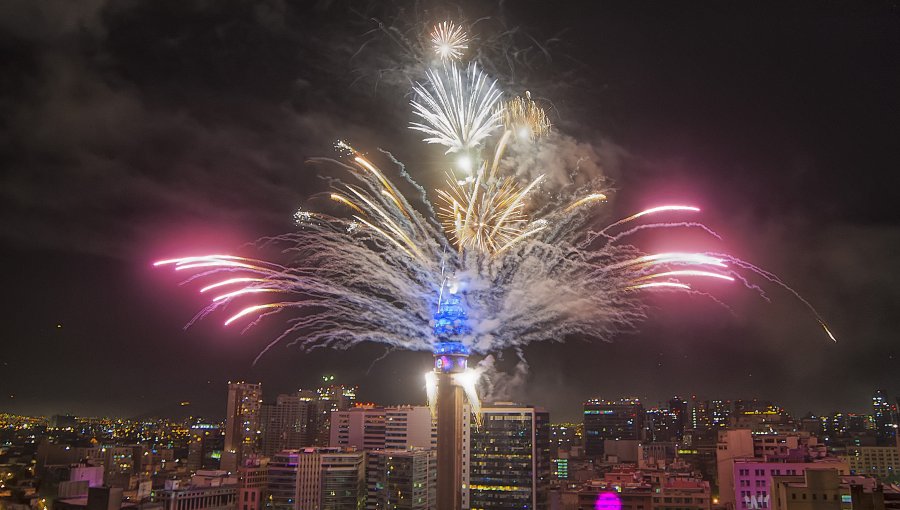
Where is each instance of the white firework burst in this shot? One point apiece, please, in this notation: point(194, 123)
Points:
point(449, 40)
point(458, 108)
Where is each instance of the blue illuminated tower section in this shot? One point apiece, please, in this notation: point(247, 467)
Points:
point(450, 357)
point(451, 324)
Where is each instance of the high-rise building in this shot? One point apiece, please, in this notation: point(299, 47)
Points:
point(331, 478)
point(403, 479)
point(720, 412)
point(289, 423)
point(661, 425)
point(281, 484)
point(317, 478)
point(341, 396)
point(331, 397)
point(678, 408)
point(611, 419)
point(509, 458)
point(205, 447)
point(242, 426)
point(883, 417)
point(701, 419)
point(409, 427)
point(371, 428)
point(564, 436)
point(360, 427)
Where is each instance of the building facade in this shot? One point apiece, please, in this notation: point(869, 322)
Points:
point(611, 419)
point(242, 424)
point(403, 479)
point(509, 458)
point(882, 462)
point(753, 478)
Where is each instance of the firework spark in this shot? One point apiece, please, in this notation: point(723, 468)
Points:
point(449, 40)
point(457, 109)
point(525, 118)
point(687, 272)
point(485, 214)
point(593, 197)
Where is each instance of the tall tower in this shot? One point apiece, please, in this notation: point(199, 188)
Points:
point(450, 358)
point(241, 424)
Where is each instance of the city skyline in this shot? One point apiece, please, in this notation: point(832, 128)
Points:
point(118, 156)
point(877, 410)
point(736, 455)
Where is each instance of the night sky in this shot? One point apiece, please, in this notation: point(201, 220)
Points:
point(133, 130)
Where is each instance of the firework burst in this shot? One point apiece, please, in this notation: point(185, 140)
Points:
point(449, 40)
point(457, 108)
point(522, 116)
point(376, 271)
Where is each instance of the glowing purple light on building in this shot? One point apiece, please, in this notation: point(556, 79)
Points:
point(608, 501)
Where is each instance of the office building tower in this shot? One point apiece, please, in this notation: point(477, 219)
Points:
point(289, 423)
point(281, 480)
point(242, 426)
point(361, 428)
point(700, 419)
point(720, 412)
point(509, 458)
point(678, 408)
point(341, 396)
point(611, 419)
point(409, 427)
point(205, 447)
point(329, 398)
point(317, 478)
point(371, 428)
point(660, 425)
point(402, 479)
point(331, 479)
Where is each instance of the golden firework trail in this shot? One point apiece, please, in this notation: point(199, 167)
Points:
point(486, 214)
point(522, 116)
